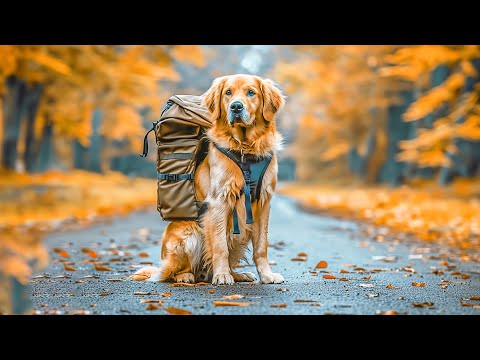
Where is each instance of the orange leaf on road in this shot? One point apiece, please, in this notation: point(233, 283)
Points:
point(233, 297)
point(329, 276)
point(101, 268)
point(321, 265)
point(344, 272)
point(299, 259)
point(143, 254)
point(279, 305)
point(167, 294)
point(418, 284)
point(152, 307)
point(177, 311)
point(69, 268)
point(302, 254)
point(230, 303)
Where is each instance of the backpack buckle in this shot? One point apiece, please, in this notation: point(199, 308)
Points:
point(171, 177)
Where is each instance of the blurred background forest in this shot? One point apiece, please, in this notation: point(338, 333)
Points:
point(370, 130)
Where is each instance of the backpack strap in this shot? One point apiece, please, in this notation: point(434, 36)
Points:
point(145, 140)
point(245, 163)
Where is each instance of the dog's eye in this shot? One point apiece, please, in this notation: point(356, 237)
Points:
point(250, 93)
point(228, 92)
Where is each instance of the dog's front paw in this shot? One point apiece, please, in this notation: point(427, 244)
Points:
point(185, 278)
point(272, 278)
point(223, 279)
point(147, 273)
point(244, 277)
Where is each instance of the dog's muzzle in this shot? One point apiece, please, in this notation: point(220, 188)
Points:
point(237, 113)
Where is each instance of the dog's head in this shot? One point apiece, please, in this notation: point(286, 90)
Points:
point(243, 100)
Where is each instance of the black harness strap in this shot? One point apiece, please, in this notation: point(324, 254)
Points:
point(252, 183)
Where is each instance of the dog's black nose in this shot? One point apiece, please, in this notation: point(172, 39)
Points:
point(236, 107)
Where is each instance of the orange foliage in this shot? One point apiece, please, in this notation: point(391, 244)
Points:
point(416, 64)
point(66, 198)
point(432, 213)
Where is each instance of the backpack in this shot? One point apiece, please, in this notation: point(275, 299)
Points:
point(182, 146)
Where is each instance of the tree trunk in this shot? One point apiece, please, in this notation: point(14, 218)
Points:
point(95, 150)
point(392, 171)
point(46, 156)
point(32, 101)
point(80, 155)
point(13, 105)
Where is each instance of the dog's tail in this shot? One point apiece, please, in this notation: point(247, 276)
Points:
point(152, 273)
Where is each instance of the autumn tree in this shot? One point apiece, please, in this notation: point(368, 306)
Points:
point(56, 95)
point(446, 110)
point(342, 107)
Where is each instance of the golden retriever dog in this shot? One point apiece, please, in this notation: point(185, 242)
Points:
point(243, 109)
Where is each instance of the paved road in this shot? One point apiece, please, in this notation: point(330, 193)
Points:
point(342, 244)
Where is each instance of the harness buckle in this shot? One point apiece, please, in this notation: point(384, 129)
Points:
point(171, 177)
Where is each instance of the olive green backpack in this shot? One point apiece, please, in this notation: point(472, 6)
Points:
point(182, 146)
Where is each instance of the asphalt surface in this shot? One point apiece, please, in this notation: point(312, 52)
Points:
point(377, 272)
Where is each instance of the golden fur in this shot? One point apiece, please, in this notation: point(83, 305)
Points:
point(196, 251)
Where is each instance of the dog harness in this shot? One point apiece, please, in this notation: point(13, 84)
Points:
point(253, 168)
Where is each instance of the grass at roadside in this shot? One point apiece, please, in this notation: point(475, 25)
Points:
point(450, 215)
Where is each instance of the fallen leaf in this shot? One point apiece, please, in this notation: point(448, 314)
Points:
point(60, 277)
point(93, 305)
point(465, 276)
point(313, 273)
point(366, 277)
point(89, 276)
point(409, 269)
point(114, 280)
point(211, 291)
point(149, 301)
point(444, 263)
point(372, 295)
point(64, 305)
point(390, 286)
point(422, 250)
point(388, 312)
point(167, 294)
point(93, 254)
point(64, 254)
point(40, 277)
point(143, 254)
point(437, 272)
point(344, 272)
point(201, 283)
point(359, 269)
point(415, 257)
point(343, 279)
point(423, 304)
point(146, 262)
point(349, 265)
point(142, 293)
point(152, 307)
point(104, 294)
point(329, 276)
point(279, 305)
point(57, 250)
point(299, 259)
point(79, 281)
point(177, 311)
point(418, 284)
point(366, 285)
point(233, 297)
point(362, 244)
point(69, 268)
point(101, 268)
point(230, 303)
point(321, 265)
point(302, 254)
point(456, 273)
point(282, 290)
point(43, 305)
point(477, 298)
point(305, 301)
point(181, 284)
point(443, 286)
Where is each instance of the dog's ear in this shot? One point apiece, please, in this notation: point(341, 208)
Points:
point(213, 96)
point(273, 99)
